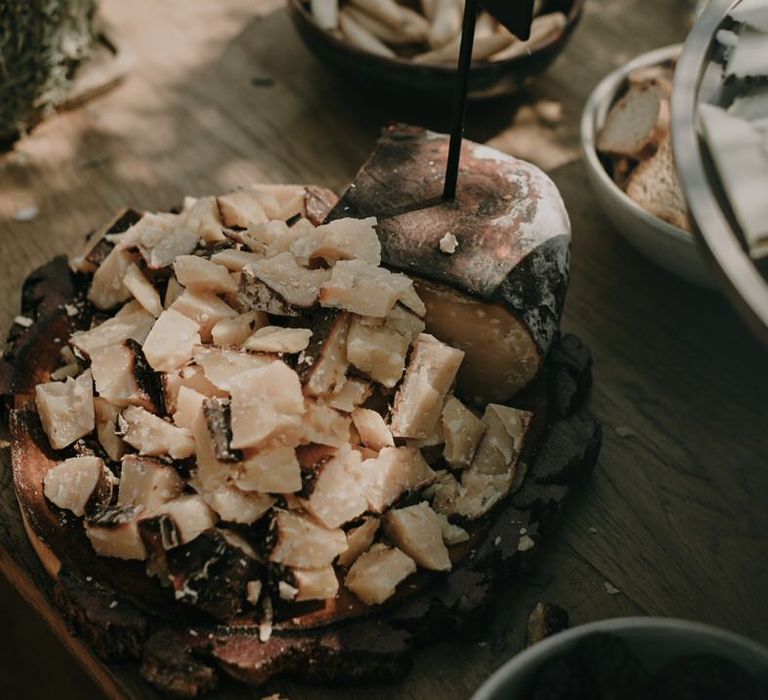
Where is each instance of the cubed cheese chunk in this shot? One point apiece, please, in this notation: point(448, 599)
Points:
point(123, 377)
point(114, 532)
point(297, 285)
point(194, 272)
point(153, 436)
point(324, 425)
point(191, 516)
point(224, 368)
point(353, 393)
point(203, 217)
point(78, 483)
point(132, 321)
point(106, 428)
point(372, 428)
point(315, 584)
point(505, 429)
point(66, 409)
point(189, 403)
point(142, 290)
point(192, 377)
point(378, 351)
point(267, 404)
point(375, 575)
point(391, 473)
point(234, 331)
point(363, 289)
point(241, 209)
point(147, 482)
point(359, 539)
point(278, 340)
point(271, 470)
point(235, 260)
point(204, 308)
point(173, 291)
point(336, 497)
point(302, 543)
point(417, 530)
point(161, 238)
point(280, 201)
point(428, 379)
point(236, 506)
point(171, 341)
point(323, 366)
point(107, 289)
point(462, 431)
point(342, 239)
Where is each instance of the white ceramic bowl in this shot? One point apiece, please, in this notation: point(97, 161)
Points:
point(656, 641)
point(675, 250)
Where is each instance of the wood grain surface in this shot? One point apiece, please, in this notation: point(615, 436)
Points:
point(675, 517)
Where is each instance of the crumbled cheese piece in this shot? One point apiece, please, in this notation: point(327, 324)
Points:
point(23, 321)
point(287, 592)
point(253, 591)
point(610, 589)
point(525, 544)
point(448, 244)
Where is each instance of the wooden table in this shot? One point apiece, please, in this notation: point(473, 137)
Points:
point(675, 517)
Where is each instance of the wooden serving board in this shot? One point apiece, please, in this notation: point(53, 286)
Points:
point(675, 515)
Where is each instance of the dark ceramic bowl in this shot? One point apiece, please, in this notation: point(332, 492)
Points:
point(401, 77)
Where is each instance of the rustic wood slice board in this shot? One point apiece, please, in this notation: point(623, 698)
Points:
point(125, 615)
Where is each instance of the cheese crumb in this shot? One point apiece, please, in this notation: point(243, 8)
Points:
point(526, 543)
point(23, 321)
point(287, 591)
point(253, 591)
point(610, 589)
point(71, 309)
point(448, 244)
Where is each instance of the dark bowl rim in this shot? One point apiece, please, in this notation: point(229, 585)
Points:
point(298, 11)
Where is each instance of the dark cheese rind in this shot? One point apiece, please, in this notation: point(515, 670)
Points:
point(218, 417)
point(512, 227)
point(211, 573)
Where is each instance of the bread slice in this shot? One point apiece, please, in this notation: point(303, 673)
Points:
point(654, 185)
point(637, 123)
point(660, 76)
